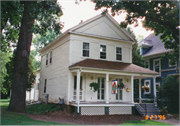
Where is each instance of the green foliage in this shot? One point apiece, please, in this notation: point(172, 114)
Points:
point(160, 16)
point(42, 108)
point(144, 122)
point(10, 71)
point(169, 93)
point(94, 85)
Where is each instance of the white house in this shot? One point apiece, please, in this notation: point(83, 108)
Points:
point(96, 50)
point(33, 94)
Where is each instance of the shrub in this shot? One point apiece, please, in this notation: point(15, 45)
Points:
point(169, 93)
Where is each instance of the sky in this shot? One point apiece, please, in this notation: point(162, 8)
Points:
point(74, 13)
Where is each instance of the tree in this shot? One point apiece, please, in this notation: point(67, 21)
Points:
point(7, 84)
point(160, 16)
point(171, 99)
point(33, 17)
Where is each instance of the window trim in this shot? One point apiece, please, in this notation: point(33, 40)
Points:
point(50, 57)
point(100, 52)
point(45, 86)
point(159, 66)
point(159, 86)
point(121, 53)
point(83, 49)
point(47, 59)
point(149, 86)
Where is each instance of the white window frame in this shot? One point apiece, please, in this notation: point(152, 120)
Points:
point(121, 53)
point(86, 49)
point(100, 51)
point(159, 86)
point(159, 66)
point(101, 76)
point(170, 64)
point(47, 59)
point(50, 57)
point(45, 85)
point(149, 86)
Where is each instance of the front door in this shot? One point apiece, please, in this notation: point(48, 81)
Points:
point(100, 93)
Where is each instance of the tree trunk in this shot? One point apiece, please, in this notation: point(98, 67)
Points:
point(19, 84)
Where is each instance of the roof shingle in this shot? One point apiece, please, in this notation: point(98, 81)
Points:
point(110, 65)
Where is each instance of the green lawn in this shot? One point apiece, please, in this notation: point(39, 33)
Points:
point(12, 118)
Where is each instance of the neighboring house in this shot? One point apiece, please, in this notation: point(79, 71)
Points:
point(33, 95)
point(152, 49)
point(96, 50)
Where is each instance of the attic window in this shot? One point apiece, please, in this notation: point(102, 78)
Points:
point(46, 59)
point(50, 59)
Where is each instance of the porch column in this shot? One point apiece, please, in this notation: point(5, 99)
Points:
point(140, 90)
point(154, 81)
point(107, 88)
point(78, 85)
point(132, 89)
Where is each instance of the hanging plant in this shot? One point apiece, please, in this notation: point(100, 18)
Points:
point(121, 86)
point(145, 88)
point(94, 85)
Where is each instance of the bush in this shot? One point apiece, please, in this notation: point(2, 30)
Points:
point(169, 93)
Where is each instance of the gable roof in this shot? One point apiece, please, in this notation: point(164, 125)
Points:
point(80, 29)
point(155, 44)
point(110, 65)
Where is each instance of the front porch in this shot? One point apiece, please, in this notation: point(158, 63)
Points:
point(104, 101)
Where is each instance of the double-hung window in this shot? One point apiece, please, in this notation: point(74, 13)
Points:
point(50, 58)
point(119, 53)
point(157, 66)
point(45, 85)
point(85, 49)
point(147, 64)
point(46, 59)
point(102, 51)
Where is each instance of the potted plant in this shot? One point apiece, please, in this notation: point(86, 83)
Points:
point(145, 88)
point(94, 85)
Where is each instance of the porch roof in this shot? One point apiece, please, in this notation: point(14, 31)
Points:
point(112, 65)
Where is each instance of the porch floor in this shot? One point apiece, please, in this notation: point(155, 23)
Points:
point(101, 103)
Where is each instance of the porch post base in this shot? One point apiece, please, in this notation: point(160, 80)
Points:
point(107, 102)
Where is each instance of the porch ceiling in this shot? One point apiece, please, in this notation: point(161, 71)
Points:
point(114, 68)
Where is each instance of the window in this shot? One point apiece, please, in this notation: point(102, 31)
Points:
point(50, 59)
point(75, 81)
point(119, 91)
point(102, 51)
point(148, 84)
point(45, 85)
point(100, 93)
point(85, 49)
point(119, 53)
point(46, 59)
point(157, 87)
point(157, 66)
point(147, 64)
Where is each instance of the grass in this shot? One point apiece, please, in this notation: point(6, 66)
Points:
point(12, 118)
point(41, 108)
point(144, 122)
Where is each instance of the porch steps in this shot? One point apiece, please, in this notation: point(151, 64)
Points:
point(147, 109)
